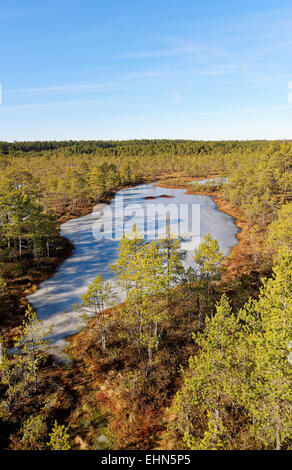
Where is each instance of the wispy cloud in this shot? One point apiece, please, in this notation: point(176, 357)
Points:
point(92, 87)
point(145, 74)
point(48, 105)
point(191, 49)
point(208, 58)
point(67, 88)
point(222, 69)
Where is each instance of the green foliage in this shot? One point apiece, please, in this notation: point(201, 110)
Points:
point(99, 295)
point(33, 343)
point(23, 224)
point(170, 247)
point(93, 169)
point(59, 437)
point(129, 247)
point(134, 381)
point(34, 431)
point(3, 287)
point(13, 379)
point(268, 330)
point(214, 437)
point(209, 258)
point(279, 232)
point(142, 272)
point(19, 371)
point(243, 364)
point(207, 382)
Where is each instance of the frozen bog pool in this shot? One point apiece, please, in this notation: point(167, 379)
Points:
point(211, 180)
point(192, 216)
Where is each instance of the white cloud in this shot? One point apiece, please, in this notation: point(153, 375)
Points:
point(146, 74)
point(67, 88)
point(98, 87)
point(48, 105)
point(191, 49)
point(223, 69)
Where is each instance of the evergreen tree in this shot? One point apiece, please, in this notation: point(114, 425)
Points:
point(210, 381)
point(59, 438)
point(12, 377)
point(129, 247)
point(141, 271)
point(33, 432)
point(209, 258)
point(279, 232)
point(99, 295)
point(173, 254)
point(268, 331)
point(32, 344)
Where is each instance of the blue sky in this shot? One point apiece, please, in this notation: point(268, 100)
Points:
point(122, 69)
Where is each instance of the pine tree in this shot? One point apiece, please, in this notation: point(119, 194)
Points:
point(32, 344)
point(129, 247)
point(173, 254)
point(23, 222)
point(33, 432)
point(141, 271)
point(214, 438)
point(59, 437)
point(268, 331)
point(279, 232)
point(12, 378)
point(98, 297)
point(209, 258)
point(153, 303)
point(210, 382)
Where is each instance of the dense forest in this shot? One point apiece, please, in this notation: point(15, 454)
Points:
point(196, 358)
